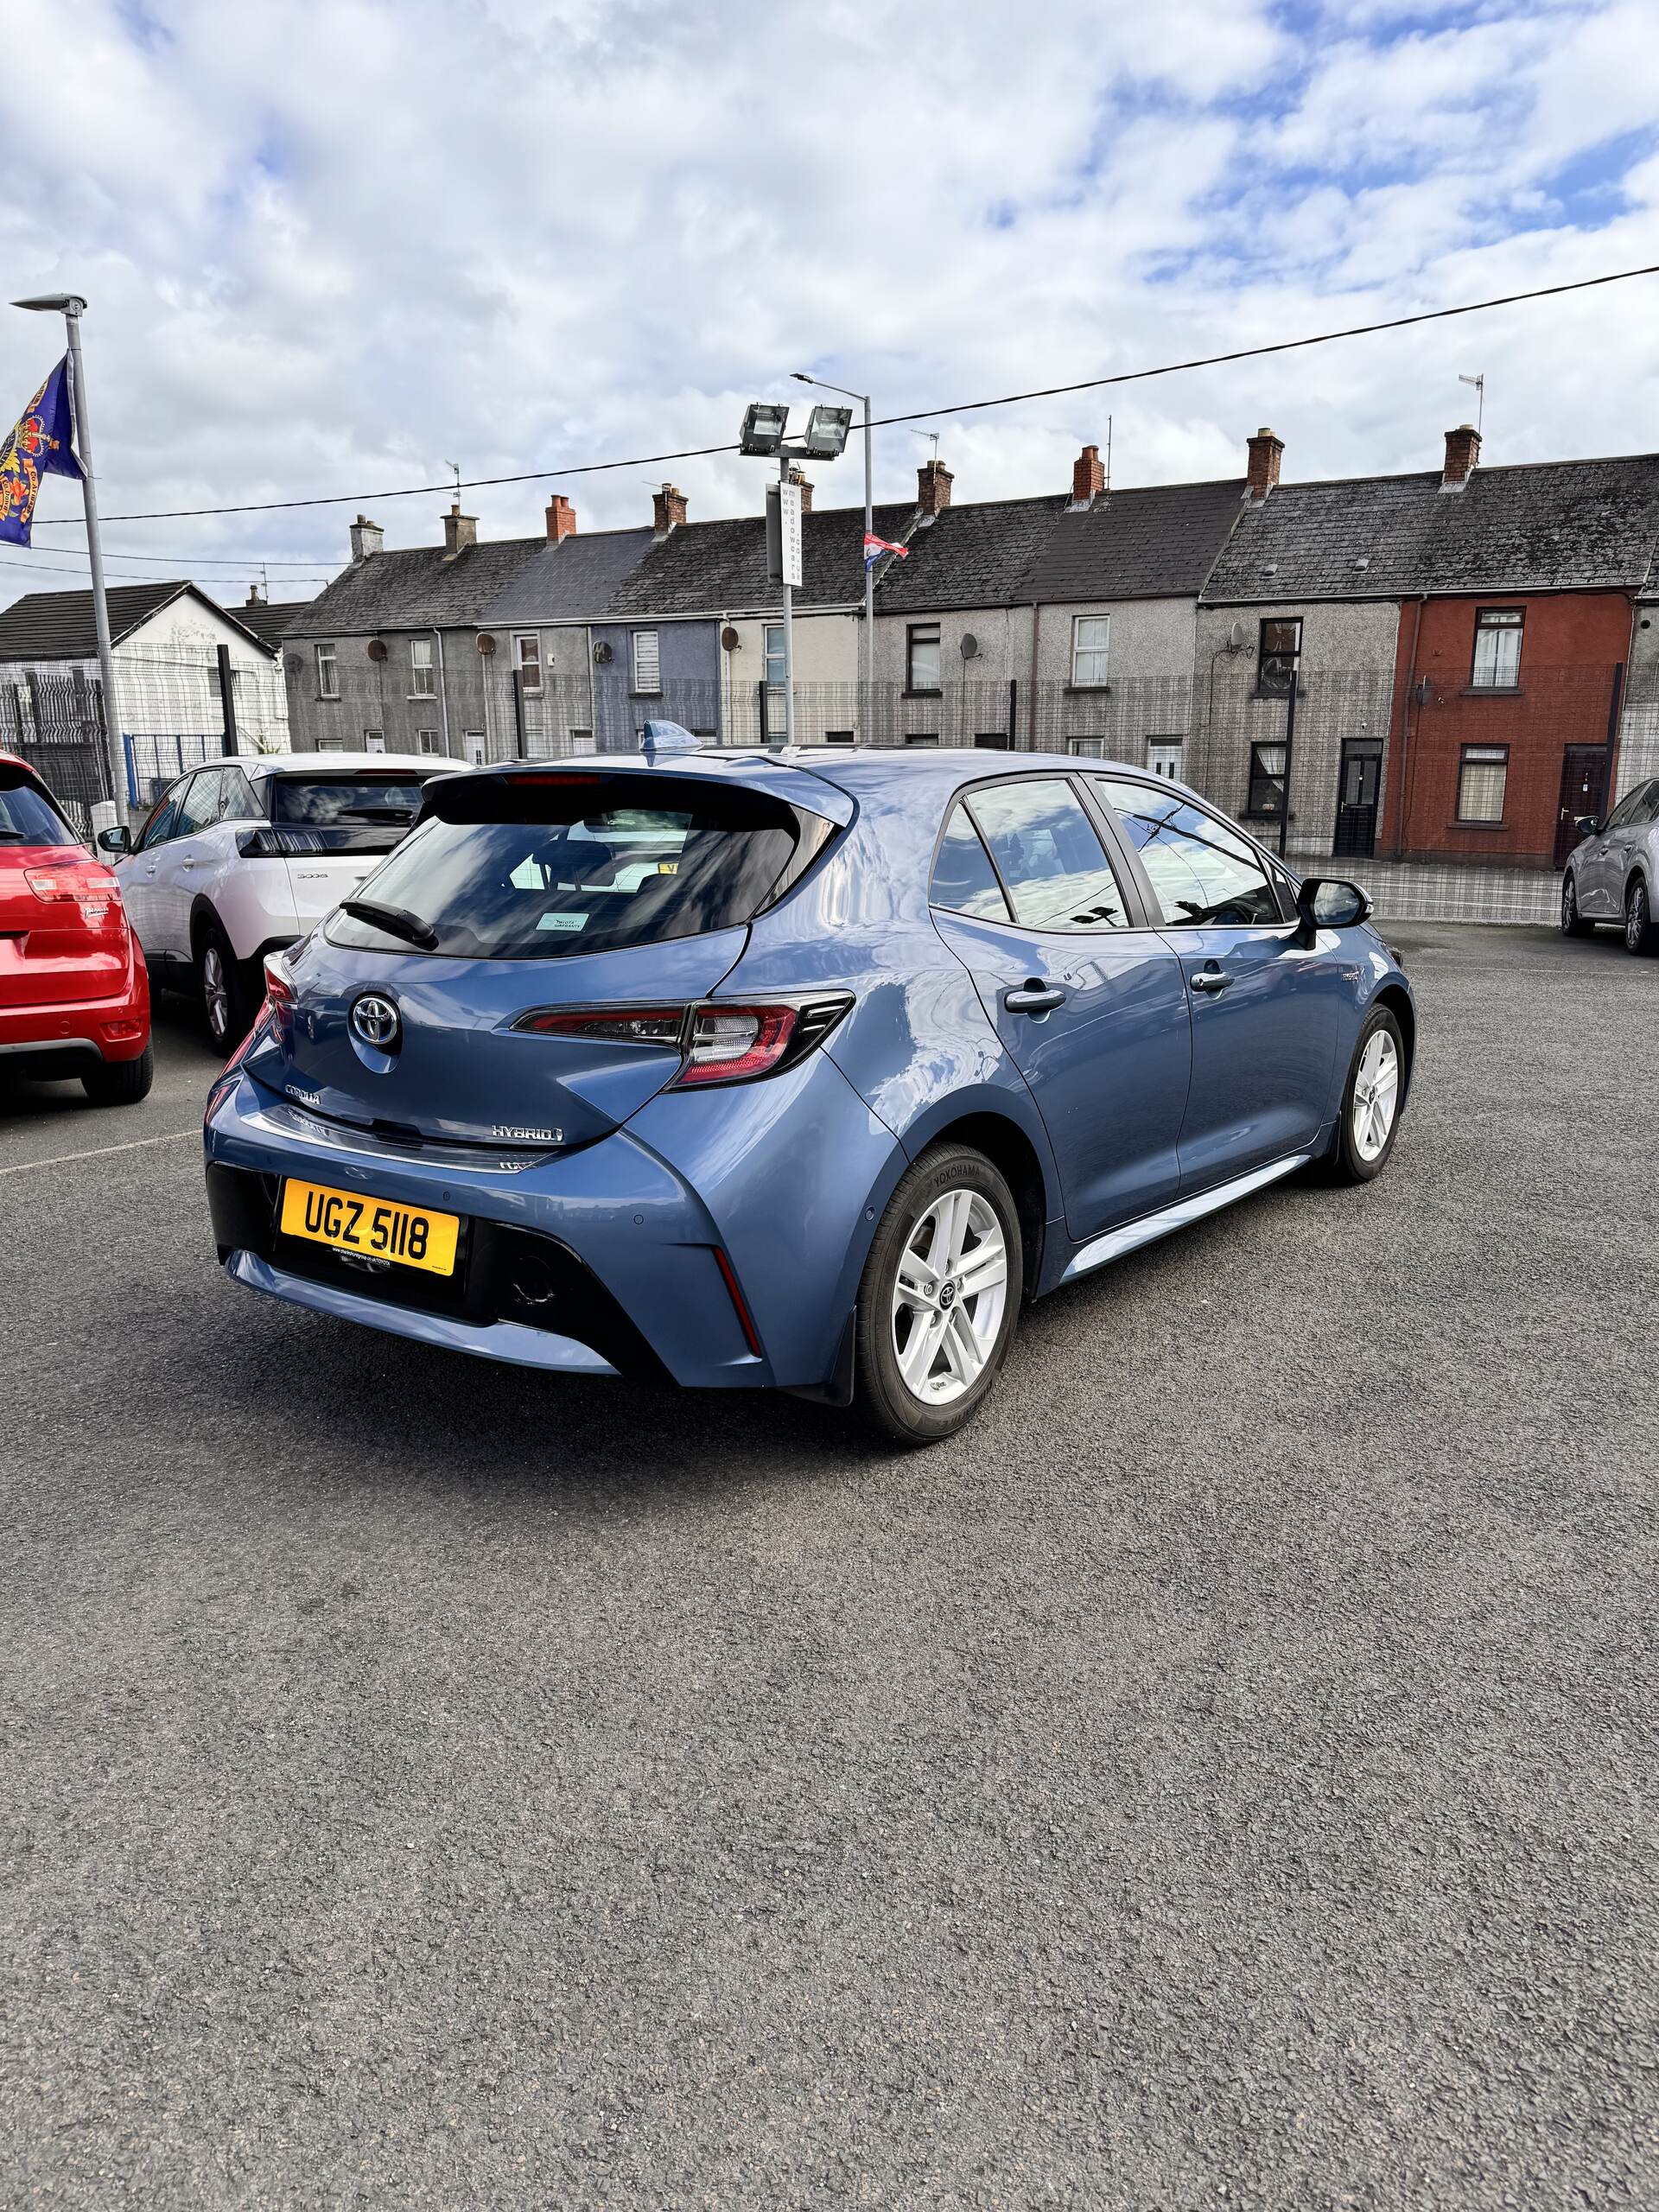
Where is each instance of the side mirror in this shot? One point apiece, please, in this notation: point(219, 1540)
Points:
point(1587, 824)
point(1331, 903)
point(118, 840)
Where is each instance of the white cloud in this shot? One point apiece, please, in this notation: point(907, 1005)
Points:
point(332, 244)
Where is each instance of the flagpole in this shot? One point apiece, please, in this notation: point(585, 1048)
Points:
point(118, 765)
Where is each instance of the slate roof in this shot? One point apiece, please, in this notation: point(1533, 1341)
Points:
point(977, 555)
point(1539, 526)
point(713, 567)
point(571, 581)
point(270, 619)
point(59, 626)
point(415, 589)
point(1158, 542)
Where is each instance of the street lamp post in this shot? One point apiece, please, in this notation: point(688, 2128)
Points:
point(72, 306)
point(764, 435)
point(863, 399)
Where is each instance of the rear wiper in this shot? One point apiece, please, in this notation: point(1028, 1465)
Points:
point(397, 921)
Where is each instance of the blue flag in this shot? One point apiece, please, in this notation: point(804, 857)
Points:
point(43, 444)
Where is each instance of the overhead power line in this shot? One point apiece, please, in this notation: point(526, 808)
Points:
point(56, 568)
point(921, 414)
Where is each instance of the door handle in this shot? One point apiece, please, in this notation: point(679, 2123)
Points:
point(1212, 980)
point(1033, 997)
point(184, 864)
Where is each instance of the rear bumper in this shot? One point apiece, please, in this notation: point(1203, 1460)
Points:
point(606, 1259)
point(68, 1040)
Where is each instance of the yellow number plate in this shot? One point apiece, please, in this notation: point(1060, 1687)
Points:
point(410, 1235)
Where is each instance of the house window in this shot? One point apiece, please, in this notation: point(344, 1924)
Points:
point(1279, 655)
point(1498, 649)
point(1164, 757)
point(529, 650)
point(1087, 748)
point(1267, 791)
point(774, 652)
point(328, 673)
point(423, 679)
point(917, 738)
point(647, 668)
point(580, 739)
point(1483, 773)
point(473, 746)
point(992, 740)
point(331, 745)
point(374, 741)
point(428, 740)
point(837, 737)
point(1089, 635)
point(922, 656)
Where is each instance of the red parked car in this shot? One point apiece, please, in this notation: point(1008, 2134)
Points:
point(74, 992)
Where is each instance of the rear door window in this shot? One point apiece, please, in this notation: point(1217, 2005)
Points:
point(199, 808)
point(536, 866)
point(964, 879)
point(1049, 855)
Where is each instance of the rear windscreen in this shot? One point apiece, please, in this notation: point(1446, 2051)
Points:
point(28, 817)
point(561, 865)
point(345, 802)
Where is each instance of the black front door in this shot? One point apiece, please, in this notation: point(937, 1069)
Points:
point(1584, 785)
point(1358, 786)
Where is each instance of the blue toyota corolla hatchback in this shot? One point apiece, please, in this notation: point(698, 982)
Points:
point(800, 1071)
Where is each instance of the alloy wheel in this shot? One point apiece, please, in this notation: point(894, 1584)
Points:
point(949, 1297)
point(1376, 1095)
point(1636, 918)
point(215, 992)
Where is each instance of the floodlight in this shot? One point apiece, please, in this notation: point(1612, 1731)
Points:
point(764, 425)
point(826, 432)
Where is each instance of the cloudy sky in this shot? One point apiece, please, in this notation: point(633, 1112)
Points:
point(331, 244)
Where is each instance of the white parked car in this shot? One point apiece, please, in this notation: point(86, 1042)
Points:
point(240, 858)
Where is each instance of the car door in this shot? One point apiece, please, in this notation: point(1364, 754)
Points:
point(1264, 1004)
point(1088, 999)
point(138, 873)
point(182, 859)
point(1607, 857)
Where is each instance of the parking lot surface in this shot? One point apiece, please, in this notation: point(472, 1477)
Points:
point(1223, 1775)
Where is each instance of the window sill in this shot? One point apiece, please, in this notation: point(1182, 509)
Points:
point(1096, 691)
point(645, 695)
point(327, 698)
point(1490, 691)
point(1480, 825)
point(935, 693)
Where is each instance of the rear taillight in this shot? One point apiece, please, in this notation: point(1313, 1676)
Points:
point(717, 1041)
point(279, 984)
point(81, 884)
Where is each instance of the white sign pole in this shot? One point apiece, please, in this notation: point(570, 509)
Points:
point(788, 530)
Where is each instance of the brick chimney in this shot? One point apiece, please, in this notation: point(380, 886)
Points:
point(254, 599)
point(1262, 474)
point(560, 518)
point(667, 509)
point(806, 485)
point(1087, 477)
point(366, 538)
point(460, 530)
point(1462, 457)
point(933, 482)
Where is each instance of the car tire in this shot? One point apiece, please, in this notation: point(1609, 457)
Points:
point(1640, 936)
point(121, 1082)
point(1360, 1149)
point(1572, 922)
point(951, 1205)
point(221, 990)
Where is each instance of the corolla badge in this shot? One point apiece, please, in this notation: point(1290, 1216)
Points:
point(376, 1022)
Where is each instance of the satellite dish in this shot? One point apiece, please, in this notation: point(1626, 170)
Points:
point(969, 647)
point(1237, 638)
point(730, 638)
point(485, 642)
point(604, 654)
point(377, 649)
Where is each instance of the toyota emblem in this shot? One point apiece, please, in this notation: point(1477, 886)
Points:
point(375, 1022)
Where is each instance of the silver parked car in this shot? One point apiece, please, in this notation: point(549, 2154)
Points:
point(1613, 876)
